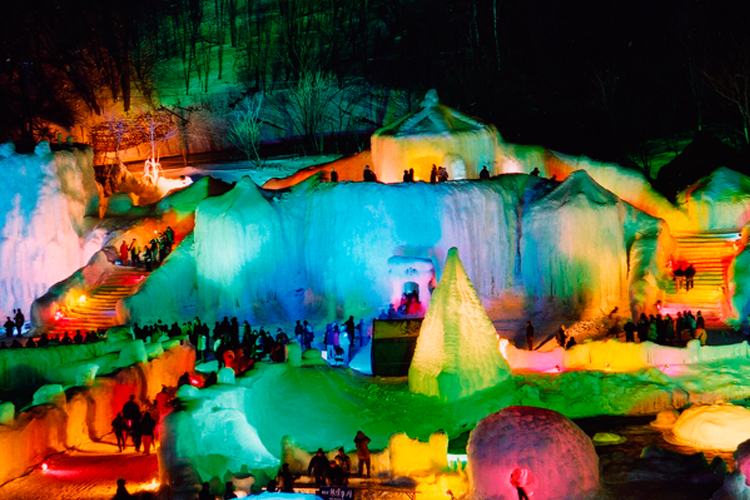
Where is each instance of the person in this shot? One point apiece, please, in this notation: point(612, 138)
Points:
point(349, 326)
point(368, 175)
point(519, 480)
point(629, 331)
point(405, 177)
point(535, 172)
point(411, 175)
point(132, 414)
point(699, 321)
point(124, 252)
point(20, 320)
point(286, 479)
point(335, 474)
point(9, 326)
point(433, 174)
point(484, 174)
point(205, 493)
point(689, 276)
point(309, 335)
point(343, 461)
point(147, 431)
point(66, 340)
point(334, 175)
point(530, 335)
point(442, 174)
point(229, 491)
point(121, 493)
point(560, 337)
point(272, 486)
point(361, 441)
point(318, 467)
point(299, 332)
point(161, 401)
point(134, 253)
point(118, 427)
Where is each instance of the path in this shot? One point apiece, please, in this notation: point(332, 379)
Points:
point(89, 472)
point(97, 308)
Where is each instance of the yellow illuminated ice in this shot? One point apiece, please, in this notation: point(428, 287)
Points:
point(714, 427)
point(457, 352)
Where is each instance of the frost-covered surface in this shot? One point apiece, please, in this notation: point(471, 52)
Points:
point(456, 353)
point(719, 201)
point(739, 283)
point(558, 458)
point(322, 250)
point(42, 240)
point(713, 427)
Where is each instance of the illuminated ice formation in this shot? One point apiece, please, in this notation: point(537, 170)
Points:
point(456, 353)
point(713, 427)
point(718, 201)
point(47, 196)
point(553, 457)
point(437, 135)
point(411, 457)
point(559, 259)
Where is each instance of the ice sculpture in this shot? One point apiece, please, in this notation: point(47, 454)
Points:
point(547, 454)
point(437, 135)
point(456, 353)
point(713, 427)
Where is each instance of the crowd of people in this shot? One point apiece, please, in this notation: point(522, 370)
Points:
point(666, 330)
point(334, 472)
point(151, 255)
point(238, 346)
point(684, 277)
point(45, 340)
point(16, 323)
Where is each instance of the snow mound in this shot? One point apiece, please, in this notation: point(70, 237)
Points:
point(456, 353)
point(546, 453)
point(714, 427)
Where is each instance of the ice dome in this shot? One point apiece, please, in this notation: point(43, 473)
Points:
point(549, 455)
point(713, 427)
point(434, 134)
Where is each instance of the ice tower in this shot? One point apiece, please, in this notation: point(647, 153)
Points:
point(456, 353)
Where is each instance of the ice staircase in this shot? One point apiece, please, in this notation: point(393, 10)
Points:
point(97, 308)
point(710, 254)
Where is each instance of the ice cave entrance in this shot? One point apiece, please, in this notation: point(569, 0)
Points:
point(411, 278)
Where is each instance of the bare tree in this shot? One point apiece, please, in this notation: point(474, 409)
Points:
point(156, 128)
point(307, 106)
point(245, 124)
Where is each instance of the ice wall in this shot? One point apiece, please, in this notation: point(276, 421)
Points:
point(322, 250)
point(712, 427)
point(456, 353)
point(720, 201)
point(575, 246)
point(739, 286)
point(47, 196)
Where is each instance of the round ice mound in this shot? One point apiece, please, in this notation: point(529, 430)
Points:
point(713, 427)
point(553, 458)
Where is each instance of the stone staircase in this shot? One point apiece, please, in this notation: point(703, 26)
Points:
point(97, 308)
point(710, 254)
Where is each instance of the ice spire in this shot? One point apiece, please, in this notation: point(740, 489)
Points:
point(456, 353)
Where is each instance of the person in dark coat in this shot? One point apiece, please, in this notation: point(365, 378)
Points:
point(629, 331)
point(205, 492)
point(484, 174)
point(318, 467)
point(361, 441)
point(335, 474)
point(121, 493)
point(119, 427)
point(9, 326)
point(148, 424)
point(530, 335)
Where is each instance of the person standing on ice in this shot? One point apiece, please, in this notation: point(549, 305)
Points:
point(484, 174)
point(9, 326)
point(350, 328)
point(530, 335)
point(361, 441)
point(20, 320)
point(629, 331)
point(299, 332)
point(119, 427)
point(318, 467)
point(334, 175)
point(148, 425)
point(309, 335)
point(124, 252)
point(433, 174)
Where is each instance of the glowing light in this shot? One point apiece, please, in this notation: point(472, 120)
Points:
point(82, 299)
point(45, 467)
point(503, 346)
point(152, 486)
point(58, 315)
